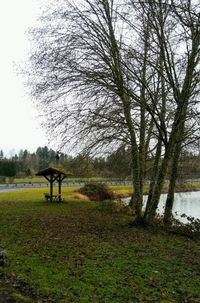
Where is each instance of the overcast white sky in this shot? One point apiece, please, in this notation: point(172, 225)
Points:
point(19, 125)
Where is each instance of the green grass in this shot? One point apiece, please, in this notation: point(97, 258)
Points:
point(120, 189)
point(31, 180)
point(76, 252)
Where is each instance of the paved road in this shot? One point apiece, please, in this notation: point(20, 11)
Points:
point(12, 187)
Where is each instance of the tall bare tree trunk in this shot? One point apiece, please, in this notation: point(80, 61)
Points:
point(157, 189)
point(153, 178)
point(137, 198)
point(173, 177)
point(170, 196)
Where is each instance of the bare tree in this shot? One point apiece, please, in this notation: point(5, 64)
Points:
point(108, 72)
point(84, 57)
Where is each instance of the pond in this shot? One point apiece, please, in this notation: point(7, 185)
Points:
point(184, 203)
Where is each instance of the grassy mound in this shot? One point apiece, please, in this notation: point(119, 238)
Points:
point(96, 192)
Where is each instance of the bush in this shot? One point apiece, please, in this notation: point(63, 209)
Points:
point(97, 192)
point(2, 179)
point(190, 229)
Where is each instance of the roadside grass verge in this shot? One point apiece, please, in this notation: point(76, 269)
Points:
point(74, 252)
point(32, 180)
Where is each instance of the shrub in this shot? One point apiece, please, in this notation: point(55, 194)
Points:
point(97, 192)
point(2, 179)
point(190, 229)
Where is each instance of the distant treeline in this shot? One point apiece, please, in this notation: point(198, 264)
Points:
point(116, 165)
point(26, 164)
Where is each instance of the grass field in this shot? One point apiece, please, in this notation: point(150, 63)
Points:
point(75, 251)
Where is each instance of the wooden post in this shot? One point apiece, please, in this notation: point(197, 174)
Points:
point(51, 188)
point(59, 188)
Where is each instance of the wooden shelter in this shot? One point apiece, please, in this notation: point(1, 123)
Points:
point(53, 175)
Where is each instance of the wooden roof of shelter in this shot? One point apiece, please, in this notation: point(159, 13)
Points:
point(52, 171)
